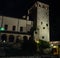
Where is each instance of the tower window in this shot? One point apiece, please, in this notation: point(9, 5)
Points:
point(41, 23)
point(42, 37)
point(46, 24)
point(6, 27)
point(43, 27)
point(21, 28)
point(14, 27)
point(35, 32)
point(39, 5)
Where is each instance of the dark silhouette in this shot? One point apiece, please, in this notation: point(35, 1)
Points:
point(29, 46)
point(32, 46)
point(25, 45)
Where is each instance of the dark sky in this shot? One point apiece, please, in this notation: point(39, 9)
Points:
point(17, 8)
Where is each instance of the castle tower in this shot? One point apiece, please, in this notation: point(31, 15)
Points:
point(39, 13)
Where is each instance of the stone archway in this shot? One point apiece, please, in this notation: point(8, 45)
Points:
point(11, 38)
point(4, 37)
point(25, 38)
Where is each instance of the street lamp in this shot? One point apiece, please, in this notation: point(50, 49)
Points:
point(2, 29)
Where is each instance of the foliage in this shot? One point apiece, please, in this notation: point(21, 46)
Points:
point(44, 44)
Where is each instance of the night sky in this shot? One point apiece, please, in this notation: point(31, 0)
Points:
point(18, 8)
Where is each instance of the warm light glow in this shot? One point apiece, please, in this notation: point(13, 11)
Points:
point(37, 42)
point(55, 46)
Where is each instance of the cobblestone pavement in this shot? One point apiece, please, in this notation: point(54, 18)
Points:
point(11, 53)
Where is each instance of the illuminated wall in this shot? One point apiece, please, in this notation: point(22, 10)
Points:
point(43, 21)
point(20, 25)
point(29, 25)
point(10, 22)
point(25, 24)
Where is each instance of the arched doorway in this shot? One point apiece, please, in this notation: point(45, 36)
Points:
point(11, 38)
point(25, 38)
point(4, 37)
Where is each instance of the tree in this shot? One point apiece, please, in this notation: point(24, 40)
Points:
point(43, 45)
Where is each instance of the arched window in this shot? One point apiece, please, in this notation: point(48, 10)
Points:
point(25, 38)
point(14, 27)
point(4, 37)
point(11, 38)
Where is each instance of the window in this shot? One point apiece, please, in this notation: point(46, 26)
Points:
point(35, 32)
point(14, 27)
point(41, 23)
point(21, 28)
point(11, 38)
point(46, 24)
point(6, 27)
point(25, 38)
point(39, 5)
point(43, 27)
point(42, 37)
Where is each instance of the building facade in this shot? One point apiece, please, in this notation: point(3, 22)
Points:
point(36, 23)
point(14, 28)
point(39, 13)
